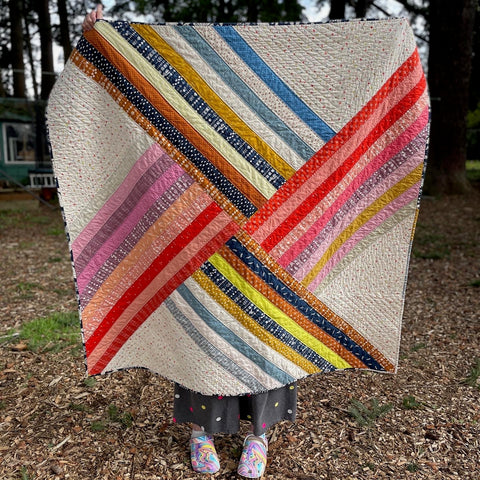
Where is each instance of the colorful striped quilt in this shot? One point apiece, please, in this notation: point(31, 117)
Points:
point(240, 200)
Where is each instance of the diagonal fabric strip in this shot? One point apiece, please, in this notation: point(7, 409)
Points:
point(240, 200)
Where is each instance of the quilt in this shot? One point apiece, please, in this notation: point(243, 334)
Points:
point(240, 200)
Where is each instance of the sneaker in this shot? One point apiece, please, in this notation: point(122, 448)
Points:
point(254, 456)
point(203, 455)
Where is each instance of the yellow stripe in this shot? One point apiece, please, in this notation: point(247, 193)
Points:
point(275, 313)
point(249, 173)
point(402, 186)
point(252, 326)
point(204, 90)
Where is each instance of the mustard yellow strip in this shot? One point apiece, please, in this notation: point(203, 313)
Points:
point(250, 174)
point(204, 90)
point(402, 186)
point(252, 326)
point(275, 313)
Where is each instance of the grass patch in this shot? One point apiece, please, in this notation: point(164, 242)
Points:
point(366, 416)
point(55, 231)
point(90, 382)
point(125, 419)
point(52, 333)
point(98, 426)
point(418, 346)
point(475, 283)
point(413, 467)
point(473, 170)
point(428, 245)
point(474, 375)
point(410, 403)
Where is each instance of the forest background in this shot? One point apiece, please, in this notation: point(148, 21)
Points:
point(447, 32)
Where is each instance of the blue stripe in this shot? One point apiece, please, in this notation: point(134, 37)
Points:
point(233, 339)
point(206, 346)
point(167, 129)
point(253, 60)
point(198, 104)
point(245, 93)
point(300, 304)
point(263, 319)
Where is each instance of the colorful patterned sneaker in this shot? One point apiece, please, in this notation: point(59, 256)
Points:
point(254, 456)
point(203, 455)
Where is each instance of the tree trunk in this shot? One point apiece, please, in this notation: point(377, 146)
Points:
point(16, 49)
point(449, 69)
point(45, 30)
point(337, 9)
point(64, 29)
point(361, 7)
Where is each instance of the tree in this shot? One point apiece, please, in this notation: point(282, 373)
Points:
point(449, 69)
point(16, 48)
point(46, 47)
point(64, 29)
point(216, 10)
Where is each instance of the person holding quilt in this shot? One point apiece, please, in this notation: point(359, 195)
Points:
point(210, 415)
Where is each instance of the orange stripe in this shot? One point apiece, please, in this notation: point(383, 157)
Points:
point(90, 70)
point(143, 254)
point(285, 307)
point(330, 148)
point(251, 325)
point(158, 101)
point(309, 297)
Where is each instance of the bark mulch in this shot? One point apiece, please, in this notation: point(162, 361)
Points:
point(422, 423)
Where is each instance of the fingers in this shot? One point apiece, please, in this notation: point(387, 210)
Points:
point(99, 11)
point(92, 17)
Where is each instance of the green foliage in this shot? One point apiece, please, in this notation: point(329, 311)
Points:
point(429, 245)
point(52, 333)
point(90, 382)
point(366, 416)
point(410, 403)
point(413, 467)
point(125, 419)
point(473, 170)
point(474, 375)
point(98, 426)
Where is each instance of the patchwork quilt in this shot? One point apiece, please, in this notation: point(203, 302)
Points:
point(240, 199)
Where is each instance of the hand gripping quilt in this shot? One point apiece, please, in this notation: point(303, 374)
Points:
point(240, 199)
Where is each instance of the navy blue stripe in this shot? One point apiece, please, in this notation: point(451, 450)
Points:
point(263, 319)
point(233, 339)
point(245, 93)
point(198, 104)
point(167, 129)
point(249, 259)
point(284, 92)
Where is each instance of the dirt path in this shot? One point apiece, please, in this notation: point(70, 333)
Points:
point(54, 424)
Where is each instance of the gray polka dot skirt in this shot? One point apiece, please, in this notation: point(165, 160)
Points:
point(217, 414)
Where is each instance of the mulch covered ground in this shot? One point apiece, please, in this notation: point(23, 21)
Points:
point(55, 424)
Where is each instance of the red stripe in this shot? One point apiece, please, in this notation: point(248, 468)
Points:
point(302, 175)
point(322, 190)
point(170, 252)
point(229, 231)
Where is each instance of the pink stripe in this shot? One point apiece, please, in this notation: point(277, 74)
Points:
point(377, 192)
point(410, 195)
point(141, 166)
point(172, 268)
point(324, 217)
point(191, 204)
point(332, 164)
point(114, 241)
